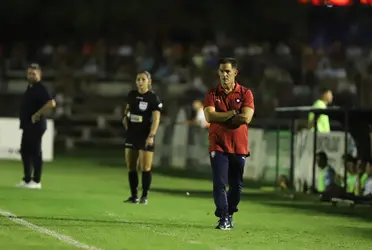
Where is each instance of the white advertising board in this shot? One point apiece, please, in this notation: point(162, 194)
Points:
point(10, 140)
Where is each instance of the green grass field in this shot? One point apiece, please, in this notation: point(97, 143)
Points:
point(82, 199)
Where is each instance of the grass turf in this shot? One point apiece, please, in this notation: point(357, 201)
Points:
point(83, 199)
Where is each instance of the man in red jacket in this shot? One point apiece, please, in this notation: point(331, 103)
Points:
point(229, 109)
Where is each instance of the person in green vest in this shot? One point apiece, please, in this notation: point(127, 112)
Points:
point(364, 178)
point(326, 174)
point(352, 175)
point(323, 124)
point(368, 181)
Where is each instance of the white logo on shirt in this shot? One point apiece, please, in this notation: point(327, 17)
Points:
point(213, 153)
point(143, 106)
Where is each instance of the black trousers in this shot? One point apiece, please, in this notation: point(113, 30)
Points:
point(31, 154)
point(227, 169)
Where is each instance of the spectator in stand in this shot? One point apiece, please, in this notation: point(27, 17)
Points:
point(199, 118)
point(364, 180)
point(368, 181)
point(323, 124)
point(327, 175)
point(351, 173)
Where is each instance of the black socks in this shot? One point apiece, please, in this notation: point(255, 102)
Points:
point(133, 183)
point(146, 183)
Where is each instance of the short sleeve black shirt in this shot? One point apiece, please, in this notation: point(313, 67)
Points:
point(35, 97)
point(141, 107)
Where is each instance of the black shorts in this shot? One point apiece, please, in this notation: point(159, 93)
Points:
point(138, 143)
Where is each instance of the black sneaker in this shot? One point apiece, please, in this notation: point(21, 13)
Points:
point(143, 200)
point(224, 223)
point(134, 200)
point(231, 221)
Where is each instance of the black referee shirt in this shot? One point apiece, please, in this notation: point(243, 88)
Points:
point(141, 107)
point(35, 97)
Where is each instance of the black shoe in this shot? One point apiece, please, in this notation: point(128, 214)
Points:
point(143, 200)
point(231, 221)
point(224, 223)
point(134, 200)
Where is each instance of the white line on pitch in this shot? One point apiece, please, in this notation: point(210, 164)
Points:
point(42, 230)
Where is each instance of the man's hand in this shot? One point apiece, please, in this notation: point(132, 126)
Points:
point(35, 117)
point(149, 140)
point(243, 117)
point(49, 105)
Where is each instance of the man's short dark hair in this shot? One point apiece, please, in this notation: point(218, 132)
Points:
point(349, 158)
point(34, 66)
point(322, 156)
point(230, 60)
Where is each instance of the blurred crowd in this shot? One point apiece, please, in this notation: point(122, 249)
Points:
point(280, 74)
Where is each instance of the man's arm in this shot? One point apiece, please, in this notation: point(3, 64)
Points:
point(247, 110)
point(212, 116)
point(245, 117)
point(45, 97)
point(192, 122)
point(49, 105)
point(210, 111)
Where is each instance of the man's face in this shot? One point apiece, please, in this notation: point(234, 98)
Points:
point(227, 74)
point(350, 166)
point(328, 96)
point(33, 75)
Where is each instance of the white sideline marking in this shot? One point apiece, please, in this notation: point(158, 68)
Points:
point(42, 230)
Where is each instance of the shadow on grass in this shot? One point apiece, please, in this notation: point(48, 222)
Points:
point(363, 212)
point(71, 222)
point(361, 232)
point(299, 202)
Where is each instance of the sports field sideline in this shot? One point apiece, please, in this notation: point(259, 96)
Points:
point(80, 206)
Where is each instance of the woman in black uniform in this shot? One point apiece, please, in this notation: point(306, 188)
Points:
point(141, 120)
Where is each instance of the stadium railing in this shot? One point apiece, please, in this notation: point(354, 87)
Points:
point(183, 147)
